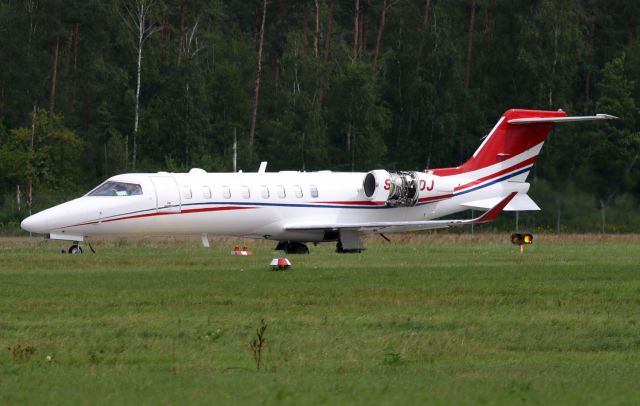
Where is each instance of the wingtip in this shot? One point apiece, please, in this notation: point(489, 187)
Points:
point(607, 116)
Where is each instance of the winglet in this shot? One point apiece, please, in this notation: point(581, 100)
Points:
point(495, 211)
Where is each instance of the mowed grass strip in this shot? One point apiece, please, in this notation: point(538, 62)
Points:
point(452, 320)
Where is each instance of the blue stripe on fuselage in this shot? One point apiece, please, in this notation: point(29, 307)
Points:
point(493, 182)
point(320, 205)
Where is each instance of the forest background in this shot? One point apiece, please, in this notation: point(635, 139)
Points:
point(93, 88)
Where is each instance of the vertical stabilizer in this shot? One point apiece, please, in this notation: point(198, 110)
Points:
point(508, 140)
point(510, 144)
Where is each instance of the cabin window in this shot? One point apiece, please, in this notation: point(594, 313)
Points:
point(244, 191)
point(186, 192)
point(281, 193)
point(264, 191)
point(297, 190)
point(206, 192)
point(226, 192)
point(313, 191)
point(116, 189)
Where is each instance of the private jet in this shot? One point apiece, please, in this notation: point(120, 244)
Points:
point(297, 208)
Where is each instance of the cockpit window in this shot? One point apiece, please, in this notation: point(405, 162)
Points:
point(116, 189)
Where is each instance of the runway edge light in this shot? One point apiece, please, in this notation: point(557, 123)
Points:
point(521, 239)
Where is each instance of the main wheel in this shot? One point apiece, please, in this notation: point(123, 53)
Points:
point(294, 247)
point(302, 249)
point(75, 249)
point(340, 249)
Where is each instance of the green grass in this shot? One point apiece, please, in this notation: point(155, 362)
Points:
point(454, 321)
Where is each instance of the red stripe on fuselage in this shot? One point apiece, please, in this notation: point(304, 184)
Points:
point(224, 208)
point(216, 209)
point(499, 173)
point(432, 198)
point(522, 164)
point(181, 212)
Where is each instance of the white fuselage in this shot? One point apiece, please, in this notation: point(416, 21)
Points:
point(255, 205)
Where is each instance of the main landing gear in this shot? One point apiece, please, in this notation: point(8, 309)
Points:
point(292, 247)
point(295, 247)
point(341, 250)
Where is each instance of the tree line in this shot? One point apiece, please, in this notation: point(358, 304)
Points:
point(93, 88)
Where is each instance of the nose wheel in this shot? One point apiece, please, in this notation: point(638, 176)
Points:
point(75, 249)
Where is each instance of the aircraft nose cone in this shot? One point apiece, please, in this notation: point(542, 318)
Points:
point(35, 224)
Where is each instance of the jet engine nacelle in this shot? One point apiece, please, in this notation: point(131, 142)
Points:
point(396, 188)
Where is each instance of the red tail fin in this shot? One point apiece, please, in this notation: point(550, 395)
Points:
point(507, 140)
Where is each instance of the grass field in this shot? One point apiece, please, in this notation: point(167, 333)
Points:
point(450, 320)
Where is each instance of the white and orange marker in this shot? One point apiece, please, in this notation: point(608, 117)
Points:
point(280, 264)
point(241, 252)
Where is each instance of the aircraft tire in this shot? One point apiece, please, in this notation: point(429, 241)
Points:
point(340, 249)
point(302, 249)
point(75, 249)
point(294, 247)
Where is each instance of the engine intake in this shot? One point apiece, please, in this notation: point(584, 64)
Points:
point(370, 185)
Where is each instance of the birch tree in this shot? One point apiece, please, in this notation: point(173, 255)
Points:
point(317, 30)
point(256, 92)
point(137, 18)
point(54, 75)
point(356, 31)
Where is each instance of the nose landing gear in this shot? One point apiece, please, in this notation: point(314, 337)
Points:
point(75, 248)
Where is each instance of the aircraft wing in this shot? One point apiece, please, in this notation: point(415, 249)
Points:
point(397, 226)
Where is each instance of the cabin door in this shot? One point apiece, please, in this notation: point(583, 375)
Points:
point(167, 194)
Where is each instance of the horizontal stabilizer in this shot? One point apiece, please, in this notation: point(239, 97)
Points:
point(521, 202)
point(535, 120)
